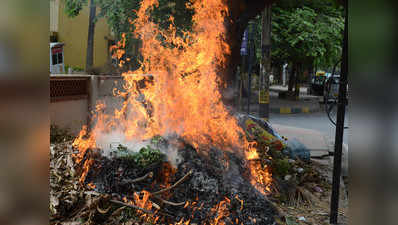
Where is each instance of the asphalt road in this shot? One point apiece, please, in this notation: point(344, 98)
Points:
point(317, 121)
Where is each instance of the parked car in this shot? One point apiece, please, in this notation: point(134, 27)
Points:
point(317, 85)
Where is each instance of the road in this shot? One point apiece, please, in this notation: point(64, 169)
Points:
point(317, 121)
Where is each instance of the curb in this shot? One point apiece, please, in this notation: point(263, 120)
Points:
point(290, 110)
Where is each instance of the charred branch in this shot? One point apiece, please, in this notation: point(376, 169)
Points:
point(174, 185)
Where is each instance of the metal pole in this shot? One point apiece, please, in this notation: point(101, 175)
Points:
point(242, 73)
point(265, 70)
point(250, 64)
point(243, 53)
point(342, 101)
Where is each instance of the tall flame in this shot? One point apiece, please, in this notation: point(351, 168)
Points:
point(176, 90)
point(184, 96)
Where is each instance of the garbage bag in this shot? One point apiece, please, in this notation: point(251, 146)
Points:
point(262, 132)
point(295, 149)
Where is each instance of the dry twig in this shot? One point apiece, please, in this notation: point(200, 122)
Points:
point(170, 203)
point(132, 206)
point(148, 175)
point(174, 185)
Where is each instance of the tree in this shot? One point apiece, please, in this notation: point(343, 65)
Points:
point(73, 9)
point(90, 37)
point(306, 34)
point(118, 13)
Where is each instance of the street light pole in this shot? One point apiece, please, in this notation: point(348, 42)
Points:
point(265, 69)
point(342, 102)
point(250, 47)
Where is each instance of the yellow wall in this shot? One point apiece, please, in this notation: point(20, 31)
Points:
point(73, 33)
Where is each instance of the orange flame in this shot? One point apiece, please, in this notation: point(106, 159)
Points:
point(184, 96)
point(221, 210)
point(176, 90)
point(251, 152)
point(261, 177)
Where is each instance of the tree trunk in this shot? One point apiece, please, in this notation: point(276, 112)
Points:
point(299, 72)
point(265, 67)
point(90, 37)
point(292, 77)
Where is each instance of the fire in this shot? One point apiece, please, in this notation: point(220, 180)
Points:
point(91, 185)
point(221, 211)
point(176, 90)
point(251, 152)
point(142, 200)
point(261, 177)
point(83, 144)
point(184, 96)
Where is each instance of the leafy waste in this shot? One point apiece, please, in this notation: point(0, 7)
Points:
point(206, 189)
point(145, 157)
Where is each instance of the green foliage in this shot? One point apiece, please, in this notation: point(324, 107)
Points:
point(74, 7)
point(145, 157)
point(305, 32)
point(120, 13)
point(281, 167)
point(308, 33)
point(148, 156)
point(74, 68)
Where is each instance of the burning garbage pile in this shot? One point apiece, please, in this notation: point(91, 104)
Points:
point(172, 153)
point(168, 181)
point(211, 188)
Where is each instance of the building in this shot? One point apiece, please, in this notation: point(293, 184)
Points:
point(73, 32)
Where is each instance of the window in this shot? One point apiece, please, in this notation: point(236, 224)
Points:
point(60, 58)
point(55, 59)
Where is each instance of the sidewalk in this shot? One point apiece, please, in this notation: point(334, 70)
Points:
point(314, 140)
point(305, 104)
point(317, 142)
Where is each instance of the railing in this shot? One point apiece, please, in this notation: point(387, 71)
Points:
point(65, 88)
point(73, 98)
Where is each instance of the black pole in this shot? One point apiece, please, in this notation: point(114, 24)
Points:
point(342, 101)
point(241, 80)
point(250, 64)
point(263, 93)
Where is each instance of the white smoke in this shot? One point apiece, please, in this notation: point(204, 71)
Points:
point(108, 142)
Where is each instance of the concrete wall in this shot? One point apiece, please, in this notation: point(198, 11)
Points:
point(71, 115)
point(105, 88)
point(73, 112)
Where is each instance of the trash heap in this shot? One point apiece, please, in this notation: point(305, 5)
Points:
point(203, 187)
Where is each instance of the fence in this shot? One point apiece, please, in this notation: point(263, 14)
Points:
point(74, 97)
